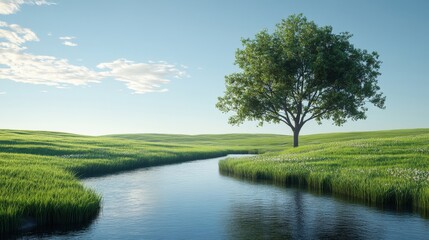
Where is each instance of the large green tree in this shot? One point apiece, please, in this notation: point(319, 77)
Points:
point(301, 72)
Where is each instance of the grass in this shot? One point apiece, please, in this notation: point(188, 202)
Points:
point(256, 143)
point(40, 171)
point(384, 168)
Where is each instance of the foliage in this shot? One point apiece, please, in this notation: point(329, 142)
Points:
point(299, 73)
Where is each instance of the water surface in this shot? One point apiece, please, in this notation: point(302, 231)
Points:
point(193, 201)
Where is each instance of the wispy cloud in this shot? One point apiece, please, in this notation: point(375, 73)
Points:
point(23, 67)
point(19, 66)
point(2, 93)
point(46, 70)
point(67, 38)
point(67, 41)
point(142, 77)
point(14, 36)
point(12, 6)
point(70, 44)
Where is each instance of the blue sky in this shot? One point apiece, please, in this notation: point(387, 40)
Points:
point(102, 67)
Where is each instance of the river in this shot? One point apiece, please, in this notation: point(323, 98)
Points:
point(193, 201)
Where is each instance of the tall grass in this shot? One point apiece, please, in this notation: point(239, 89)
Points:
point(42, 194)
point(385, 171)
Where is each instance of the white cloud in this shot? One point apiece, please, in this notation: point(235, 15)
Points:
point(70, 44)
point(18, 65)
point(45, 70)
point(142, 77)
point(12, 6)
point(37, 69)
point(14, 36)
point(2, 93)
point(67, 41)
point(67, 38)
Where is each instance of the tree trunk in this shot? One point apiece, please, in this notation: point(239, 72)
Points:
point(295, 137)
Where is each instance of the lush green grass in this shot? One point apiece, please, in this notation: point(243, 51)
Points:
point(385, 168)
point(258, 143)
point(39, 171)
point(265, 142)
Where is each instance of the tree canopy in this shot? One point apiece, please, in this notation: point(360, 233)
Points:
point(301, 72)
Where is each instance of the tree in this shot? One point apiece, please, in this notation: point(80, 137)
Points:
point(301, 72)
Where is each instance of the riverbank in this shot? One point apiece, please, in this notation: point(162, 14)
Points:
point(391, 170)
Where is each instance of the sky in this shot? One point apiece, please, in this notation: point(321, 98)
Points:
point(156, 66)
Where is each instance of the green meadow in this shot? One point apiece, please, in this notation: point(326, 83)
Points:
point(40, 171)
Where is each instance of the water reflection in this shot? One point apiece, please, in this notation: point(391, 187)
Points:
point(298, 216)
point(251, 222)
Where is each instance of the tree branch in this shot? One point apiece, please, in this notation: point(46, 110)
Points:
point(272, 108)
point(317, 115)
point(311, 100)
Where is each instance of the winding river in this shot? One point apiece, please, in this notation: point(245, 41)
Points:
point(193, 201)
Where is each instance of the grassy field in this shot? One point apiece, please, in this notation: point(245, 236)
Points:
point(39, 171)
point(384, 168)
